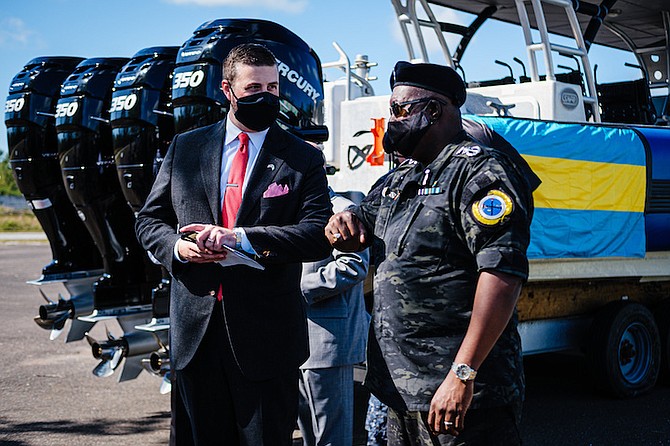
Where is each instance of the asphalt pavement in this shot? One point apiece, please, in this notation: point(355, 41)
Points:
point(49, 397)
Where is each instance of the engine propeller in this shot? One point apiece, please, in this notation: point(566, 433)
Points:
point(131, 346)
point(53, 315)
point(158, 363)
point(110, 353)
point(166, 385)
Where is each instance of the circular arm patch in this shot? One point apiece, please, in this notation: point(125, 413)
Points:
point(493, 208)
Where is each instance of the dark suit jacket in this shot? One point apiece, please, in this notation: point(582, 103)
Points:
point(263, 312)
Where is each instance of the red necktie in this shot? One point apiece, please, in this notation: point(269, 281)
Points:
point(233, 194)
point(232, 197)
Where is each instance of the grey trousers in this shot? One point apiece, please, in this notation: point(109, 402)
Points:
point(326, 409)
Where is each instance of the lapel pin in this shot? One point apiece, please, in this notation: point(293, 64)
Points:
point(270, 166)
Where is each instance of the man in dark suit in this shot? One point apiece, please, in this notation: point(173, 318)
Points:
point(239, 334)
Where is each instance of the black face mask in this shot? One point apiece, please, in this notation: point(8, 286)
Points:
point(403, 136)
point(257, 111)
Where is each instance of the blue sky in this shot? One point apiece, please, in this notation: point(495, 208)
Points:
point(119, 28)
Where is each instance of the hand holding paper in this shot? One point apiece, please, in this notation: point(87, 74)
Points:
point(233, 256)
point(236, 257)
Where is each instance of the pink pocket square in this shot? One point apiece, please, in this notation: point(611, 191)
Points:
point(275, 190)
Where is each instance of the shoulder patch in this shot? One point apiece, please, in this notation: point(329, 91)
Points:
point(468, 151)
point(493, 208)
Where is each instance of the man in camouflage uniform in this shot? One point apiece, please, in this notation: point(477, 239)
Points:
point(454, 221)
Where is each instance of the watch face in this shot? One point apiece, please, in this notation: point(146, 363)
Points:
point(463, 371)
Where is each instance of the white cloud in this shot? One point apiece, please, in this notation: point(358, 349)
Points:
point(14, 31)
point(293, 6)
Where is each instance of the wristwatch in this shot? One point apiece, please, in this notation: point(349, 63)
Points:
point(464, 372)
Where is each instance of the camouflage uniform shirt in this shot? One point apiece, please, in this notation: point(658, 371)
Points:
point(440, 225)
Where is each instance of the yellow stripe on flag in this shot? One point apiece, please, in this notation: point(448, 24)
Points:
point(588, 185)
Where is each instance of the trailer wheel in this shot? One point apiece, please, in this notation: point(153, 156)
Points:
point(662, 315)
point(624, 351)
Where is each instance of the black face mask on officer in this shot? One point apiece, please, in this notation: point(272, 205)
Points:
point(257, 111)
point(402, 136)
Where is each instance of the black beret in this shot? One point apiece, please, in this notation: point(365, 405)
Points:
point(438, 78)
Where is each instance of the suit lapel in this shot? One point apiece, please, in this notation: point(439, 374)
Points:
point(210, 167)
point(265, 170)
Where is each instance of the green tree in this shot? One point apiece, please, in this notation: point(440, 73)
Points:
point(7, 183)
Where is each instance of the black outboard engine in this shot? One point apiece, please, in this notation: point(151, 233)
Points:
point(142, 129)
point(196, 87)
point(33, 156)
point(141, 120)
point(89, 173)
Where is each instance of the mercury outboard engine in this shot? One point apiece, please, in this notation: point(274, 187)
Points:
point(33, 156)
point(196, 88)
point(89, 173)
point(142, 129)
point(141, 120)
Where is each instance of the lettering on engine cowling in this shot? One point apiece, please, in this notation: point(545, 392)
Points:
point(295, 77)
point(14, 105)
point(123, 102)
point(190, 53)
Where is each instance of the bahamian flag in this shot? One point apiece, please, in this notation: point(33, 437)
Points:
point(591, 200)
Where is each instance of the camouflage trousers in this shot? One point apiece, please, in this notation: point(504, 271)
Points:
point(483, 427)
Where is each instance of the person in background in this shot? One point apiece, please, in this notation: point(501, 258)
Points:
point(238, 334)
point(454, 220)
point(338, 326)
point(375, 422)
